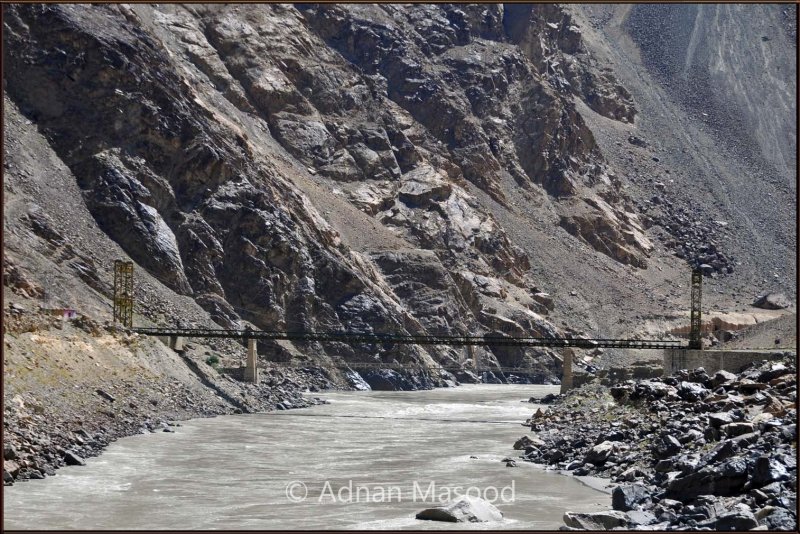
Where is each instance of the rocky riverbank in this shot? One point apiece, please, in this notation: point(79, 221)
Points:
point(685, 452)
point(71, 388)
point(38, 441)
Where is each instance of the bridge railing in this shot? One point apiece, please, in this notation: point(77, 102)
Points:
point(359, 366)
point(407, 339)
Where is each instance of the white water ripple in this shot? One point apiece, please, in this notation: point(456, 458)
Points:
point(231, 472)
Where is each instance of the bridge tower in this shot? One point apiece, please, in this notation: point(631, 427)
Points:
point(123, 293)
point(695, 341)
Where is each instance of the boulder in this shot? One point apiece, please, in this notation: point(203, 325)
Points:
point(11, 467)
point(690, 436)
point(737, 429)
point(772, 301)
point(525, 442)
point(462, 510)
point(9, 452)
point(722, 377)
point(600, 453)
point(422, 186)
point(745, 439)
point(766, 470)
point(735, 521)
point(550, 398)
point(630, 474)
point(386, 380)
point(775, 370)
point(780, 519)
point(692, 391)
point(747, 386)
point(70, 458)
point(372, 198)
point(613, 435)
point(716, 420)
point(624, 498)
point(573, 465)
point(699, 376)
point(31, 474)
point(725, 480)
point(606, 520)
point(666, 446)
point(641, 517)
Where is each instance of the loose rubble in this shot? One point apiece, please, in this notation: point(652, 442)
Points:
point(696, 241)
point(691, 451)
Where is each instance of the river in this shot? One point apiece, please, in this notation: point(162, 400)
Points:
point(367, 460)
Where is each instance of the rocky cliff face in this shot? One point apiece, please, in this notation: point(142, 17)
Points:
point(411, 169)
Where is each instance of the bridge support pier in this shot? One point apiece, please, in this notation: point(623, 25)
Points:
point(567, 379)
point(251, 367)
point(176, 343)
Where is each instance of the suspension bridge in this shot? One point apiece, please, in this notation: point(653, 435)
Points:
point(391, 339)
point(123, 314)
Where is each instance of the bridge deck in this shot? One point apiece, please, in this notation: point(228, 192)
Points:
point(363, 366)
point(379, 338)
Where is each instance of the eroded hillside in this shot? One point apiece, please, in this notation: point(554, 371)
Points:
point(383, 168)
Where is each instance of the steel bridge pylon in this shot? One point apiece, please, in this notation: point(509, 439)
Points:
point(123, 293)
point(695, 339)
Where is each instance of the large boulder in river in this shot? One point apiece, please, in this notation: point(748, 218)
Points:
point(597, 520)
point(772, 301)
point(525, 442)
point(462, 510)
point(387, 380)
point(70, 458)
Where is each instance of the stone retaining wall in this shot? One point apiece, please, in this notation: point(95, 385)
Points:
point(615, 375)
point(715, 360)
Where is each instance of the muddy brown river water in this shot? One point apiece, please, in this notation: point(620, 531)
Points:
point(367, 460)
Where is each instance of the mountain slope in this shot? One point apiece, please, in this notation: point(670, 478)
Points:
point(527, 170)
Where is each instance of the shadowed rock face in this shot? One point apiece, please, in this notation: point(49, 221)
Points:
point(326, 167)
point(410, 109)
point(176, 189)
point(480, 92)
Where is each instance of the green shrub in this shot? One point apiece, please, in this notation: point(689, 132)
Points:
point(213, 360)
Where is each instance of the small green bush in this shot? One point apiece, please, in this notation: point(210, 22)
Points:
point(213, 360)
